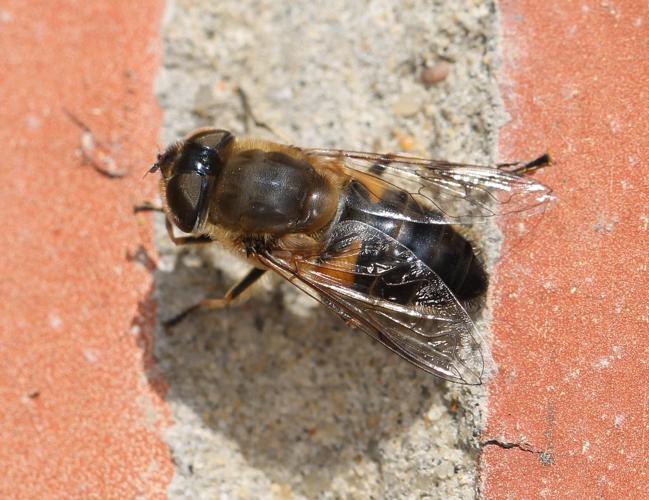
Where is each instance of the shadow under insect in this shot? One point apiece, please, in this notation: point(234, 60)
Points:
point(298, 396)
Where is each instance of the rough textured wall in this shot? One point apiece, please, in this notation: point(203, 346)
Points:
point(278, 397)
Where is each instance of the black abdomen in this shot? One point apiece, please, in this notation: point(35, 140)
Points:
point(439, 246)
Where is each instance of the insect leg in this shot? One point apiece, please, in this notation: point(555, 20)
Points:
point(184, 240)
point(147, 206)
point(542, 161)
point(520, 168)
point(232, 294)
point(178, 240)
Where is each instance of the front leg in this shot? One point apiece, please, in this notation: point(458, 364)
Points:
point(178, 240)
point(147, 206)
point(184, 240)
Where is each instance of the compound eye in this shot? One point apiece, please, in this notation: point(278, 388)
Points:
point(212, 138)
point(184, 195)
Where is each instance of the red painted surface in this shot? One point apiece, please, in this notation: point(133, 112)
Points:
point(79, 417)
point(572, 296)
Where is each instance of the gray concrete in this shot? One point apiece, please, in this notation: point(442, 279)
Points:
point(277, 398)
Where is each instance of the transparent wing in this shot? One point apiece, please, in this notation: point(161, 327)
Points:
point(456, 193)
point(378, 285)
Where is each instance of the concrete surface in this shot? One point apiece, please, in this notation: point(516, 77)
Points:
point(277, 397)
point(571, 308)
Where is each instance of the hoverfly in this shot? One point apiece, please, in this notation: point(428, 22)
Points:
point(371, 236)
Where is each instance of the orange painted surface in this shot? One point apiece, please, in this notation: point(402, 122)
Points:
point(572, 295)
point(80, 415)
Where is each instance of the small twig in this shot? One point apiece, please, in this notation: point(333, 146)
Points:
point(249, 116)
point(91, 147)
